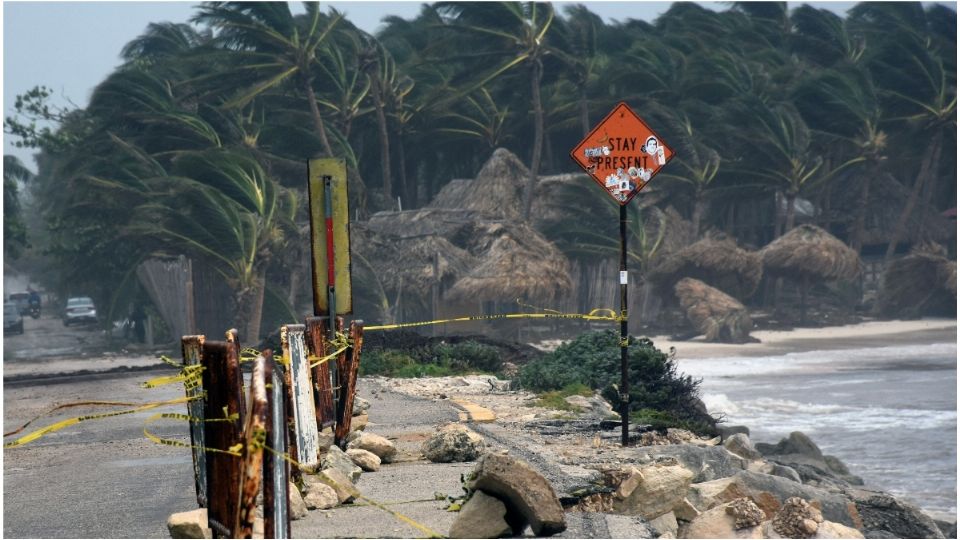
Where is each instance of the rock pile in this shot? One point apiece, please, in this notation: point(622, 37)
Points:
point(507, 495)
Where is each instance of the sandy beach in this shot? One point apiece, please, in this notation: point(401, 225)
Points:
point(863, 335)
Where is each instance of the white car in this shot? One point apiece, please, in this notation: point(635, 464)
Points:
point(79, 309)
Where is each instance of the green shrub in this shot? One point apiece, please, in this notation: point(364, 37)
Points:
point(593, 360)
point(437, 360)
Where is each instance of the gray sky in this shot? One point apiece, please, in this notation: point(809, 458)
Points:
point(72, 46)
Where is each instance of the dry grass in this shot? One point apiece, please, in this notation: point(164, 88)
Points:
point(809, 251)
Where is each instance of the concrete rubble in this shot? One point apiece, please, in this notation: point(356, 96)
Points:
point(453, 443)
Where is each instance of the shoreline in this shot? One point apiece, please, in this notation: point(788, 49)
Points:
point(854, 336)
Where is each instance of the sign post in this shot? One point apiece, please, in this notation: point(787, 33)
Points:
point(622, 154)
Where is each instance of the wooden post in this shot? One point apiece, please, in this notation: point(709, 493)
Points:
point(322, 386)
point(304, 414)
point(254, 439)
point(290, 411)
point(276, 499)
point(234, 340)
point(191, 347)
point(221, 380)
point(348, 382)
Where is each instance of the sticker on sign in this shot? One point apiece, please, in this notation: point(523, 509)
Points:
point(622, 154)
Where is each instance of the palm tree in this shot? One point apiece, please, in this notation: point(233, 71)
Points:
point(14, 230)
point(271, 47)
point(514, 33)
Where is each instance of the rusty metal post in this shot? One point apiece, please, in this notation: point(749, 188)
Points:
point(348, 381)
point(624, 335)
point(304, 413)
point(234, 340)
point(221, 381)
point(254, 439)
point(276, 499)
point(191, 347)
point(322, 387)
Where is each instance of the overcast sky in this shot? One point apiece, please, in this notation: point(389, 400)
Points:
point(72, 46)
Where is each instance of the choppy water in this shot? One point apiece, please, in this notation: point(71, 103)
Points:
point(889, 413)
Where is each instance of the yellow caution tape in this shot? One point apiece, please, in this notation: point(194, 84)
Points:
point(595, 315)
point(190, 376)
point(72, 421)
point(233, 451)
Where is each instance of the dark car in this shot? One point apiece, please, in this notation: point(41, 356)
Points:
point(79, 309)
point(12, 320)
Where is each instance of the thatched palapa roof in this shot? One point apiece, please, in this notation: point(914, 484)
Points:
point(716, 260)
point(516, 262)
point(809, 251)
point(921, 283)
point(496, 192)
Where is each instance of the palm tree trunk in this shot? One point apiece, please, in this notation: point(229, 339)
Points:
point(777, 219)
point(250, 309)
point(698, 210)
point(384, 136)
point(860, 227)
point(791, 211)
point(317, 119)
point(930, 159)
point(584, 111)
point(537, 74)
point(409, 189)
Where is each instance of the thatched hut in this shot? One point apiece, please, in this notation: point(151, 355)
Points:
point(713, 313)
point(496, 192)
point(716, 260)
point(515, 262)
point(923, 282)
point(810, 253)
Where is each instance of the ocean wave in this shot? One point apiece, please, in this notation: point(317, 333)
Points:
point(814, 361)
point(776, 415)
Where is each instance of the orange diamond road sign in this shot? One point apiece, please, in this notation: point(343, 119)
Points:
point(622, 153)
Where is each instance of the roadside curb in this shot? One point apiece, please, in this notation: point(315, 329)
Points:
point(471, 412)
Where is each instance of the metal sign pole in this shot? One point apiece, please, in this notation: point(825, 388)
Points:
point(331, 274)
point(624, 339)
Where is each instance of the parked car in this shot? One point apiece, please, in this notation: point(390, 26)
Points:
point(12, 320)
point(22, 301)
point(79, 309)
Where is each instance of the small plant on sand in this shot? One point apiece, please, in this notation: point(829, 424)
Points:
point(556, 399)
point(665, 397)
point(438, 360)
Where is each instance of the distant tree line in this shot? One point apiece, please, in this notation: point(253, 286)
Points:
point(197, 144)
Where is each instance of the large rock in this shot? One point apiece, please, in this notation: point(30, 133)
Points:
point(298, 508)
point(453, 443)
point(769, 492)
point(740, 445)
point(528, 495)
point(192, 524)
point(594, 406)
point(715, 314)
point(360, 406)
point(384, 449)
point(706, 462)
point(482, 516)
point(881, 512)
point(335, 458)
point(359, 422)
point(367, 461)
point(720, 522)
point(665, 525)
point(796, 443)
point(654, 490)
point(321, 497)
point(827, 529)
point(346, 492)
